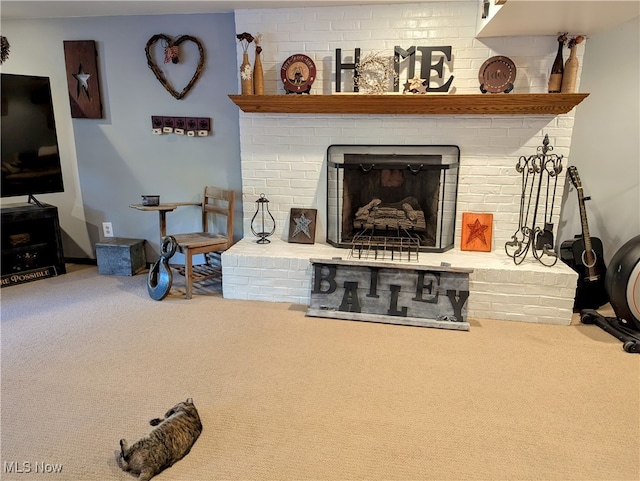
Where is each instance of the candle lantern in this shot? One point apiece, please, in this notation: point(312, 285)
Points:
point(263, 224)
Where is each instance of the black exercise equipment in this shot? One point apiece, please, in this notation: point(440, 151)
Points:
point(622, 282)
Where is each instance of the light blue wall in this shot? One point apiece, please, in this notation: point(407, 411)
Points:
point(605, 146)
point(109, 163)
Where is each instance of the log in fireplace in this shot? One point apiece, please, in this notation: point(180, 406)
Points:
point(402, 196)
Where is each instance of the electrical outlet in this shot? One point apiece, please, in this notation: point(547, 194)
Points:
point(107, 229)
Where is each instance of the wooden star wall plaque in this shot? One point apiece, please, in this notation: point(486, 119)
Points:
point(80, 58)
point(477, 232)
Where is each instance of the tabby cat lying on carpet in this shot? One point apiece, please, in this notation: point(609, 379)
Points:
point(167, 444)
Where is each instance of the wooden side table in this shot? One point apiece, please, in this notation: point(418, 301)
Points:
point(162, 210)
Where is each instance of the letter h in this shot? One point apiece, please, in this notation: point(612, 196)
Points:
point(347, 66)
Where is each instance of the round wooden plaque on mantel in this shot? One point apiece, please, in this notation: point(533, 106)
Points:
point(298, 73)
point(497, 75)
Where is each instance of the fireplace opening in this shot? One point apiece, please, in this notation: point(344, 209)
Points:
point(391, 196)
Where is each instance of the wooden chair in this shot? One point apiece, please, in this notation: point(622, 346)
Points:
point(216, 203)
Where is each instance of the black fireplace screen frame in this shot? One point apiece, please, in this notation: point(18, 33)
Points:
point(429, 172)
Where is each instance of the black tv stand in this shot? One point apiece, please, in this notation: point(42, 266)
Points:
point(34, 200)
point(31, 243)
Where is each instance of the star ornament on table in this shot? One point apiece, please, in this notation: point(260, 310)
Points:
point(83, 79)
point(476, 231)
point(302, 225)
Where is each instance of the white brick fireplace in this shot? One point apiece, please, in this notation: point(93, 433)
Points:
point(284, 155)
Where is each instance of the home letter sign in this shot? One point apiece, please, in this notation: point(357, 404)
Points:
point(347, 66)
point(426, 65)
point(390, 293)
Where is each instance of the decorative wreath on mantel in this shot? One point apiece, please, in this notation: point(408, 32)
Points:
point(375, 72)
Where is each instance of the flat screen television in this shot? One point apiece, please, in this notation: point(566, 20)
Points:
point(30, 156)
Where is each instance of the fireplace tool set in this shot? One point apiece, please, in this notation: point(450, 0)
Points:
point(539, 173)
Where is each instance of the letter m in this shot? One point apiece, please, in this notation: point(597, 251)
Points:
point(400, 52)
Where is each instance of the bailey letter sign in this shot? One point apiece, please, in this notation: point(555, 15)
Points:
point(390, 293)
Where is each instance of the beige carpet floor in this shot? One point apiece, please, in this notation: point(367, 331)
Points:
point(88, 359)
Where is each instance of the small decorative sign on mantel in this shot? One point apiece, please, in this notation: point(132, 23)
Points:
point(497, 75)
point(390, 293)
point(298, 73)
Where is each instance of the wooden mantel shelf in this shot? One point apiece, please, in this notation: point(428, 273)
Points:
point(463, 104)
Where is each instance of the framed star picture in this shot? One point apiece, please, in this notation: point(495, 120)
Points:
point(80, 58)
point(302, 226)
point(477, 232)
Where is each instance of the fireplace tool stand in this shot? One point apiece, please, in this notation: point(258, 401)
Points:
point(539, 173)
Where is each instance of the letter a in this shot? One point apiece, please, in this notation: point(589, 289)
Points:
point(350, 301)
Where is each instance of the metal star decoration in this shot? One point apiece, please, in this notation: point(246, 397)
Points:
point(302, 225)
point(82, 79)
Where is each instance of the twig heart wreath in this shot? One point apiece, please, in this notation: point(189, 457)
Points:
point(171, 53)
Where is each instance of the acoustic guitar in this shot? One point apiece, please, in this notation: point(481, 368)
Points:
point(585, 255)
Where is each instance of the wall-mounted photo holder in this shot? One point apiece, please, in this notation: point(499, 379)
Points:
point(204, 127)
point(302, 226)
point(477, 232)
point(189, 126)
point(167, 125)
point(179, 124)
